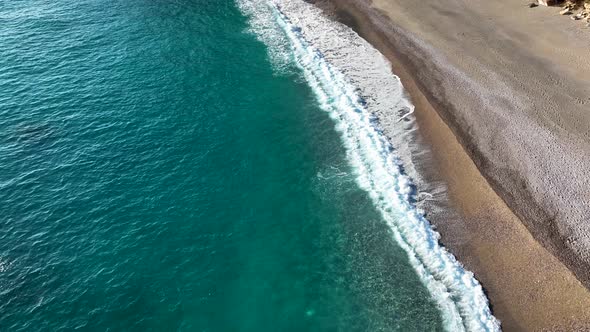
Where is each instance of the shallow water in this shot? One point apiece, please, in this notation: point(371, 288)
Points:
point(158, 173)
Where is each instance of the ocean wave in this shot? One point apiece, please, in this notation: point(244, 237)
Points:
point(354, 84)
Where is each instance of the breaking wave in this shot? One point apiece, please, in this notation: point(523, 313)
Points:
point(354, 84)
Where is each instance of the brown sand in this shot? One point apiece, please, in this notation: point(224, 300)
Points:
point(432, 46)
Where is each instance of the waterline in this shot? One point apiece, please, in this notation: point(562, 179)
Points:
point(380, 172)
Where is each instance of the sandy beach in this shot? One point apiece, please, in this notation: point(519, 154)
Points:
point(502, 101)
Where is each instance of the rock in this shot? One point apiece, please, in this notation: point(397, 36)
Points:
point(565, 11)
point(571, 5)
point(533, 5)
point(584, 14)
point(547, 2)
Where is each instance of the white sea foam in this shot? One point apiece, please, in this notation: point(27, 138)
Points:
point(263, 25)
point(4, 265)
point(354, 84)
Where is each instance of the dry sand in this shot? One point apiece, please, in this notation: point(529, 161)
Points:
point(503, 101)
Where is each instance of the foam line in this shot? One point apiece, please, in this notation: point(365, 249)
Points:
point(379, 166)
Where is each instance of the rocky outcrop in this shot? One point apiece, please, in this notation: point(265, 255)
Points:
point(569, 8)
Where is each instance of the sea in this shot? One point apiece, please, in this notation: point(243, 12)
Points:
point(211, 165)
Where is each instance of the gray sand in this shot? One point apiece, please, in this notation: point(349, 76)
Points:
point(519, 105)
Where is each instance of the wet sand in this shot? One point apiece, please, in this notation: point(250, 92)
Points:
point(474, 76)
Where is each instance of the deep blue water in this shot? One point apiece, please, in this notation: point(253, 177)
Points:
point(157, 174)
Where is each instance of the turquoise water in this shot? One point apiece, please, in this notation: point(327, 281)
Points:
point(157, 174)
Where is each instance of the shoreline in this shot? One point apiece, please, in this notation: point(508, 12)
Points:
point(528, 287)
point(362, 92)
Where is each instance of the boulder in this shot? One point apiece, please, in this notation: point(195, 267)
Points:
point(548, 2)
point(565, 11)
